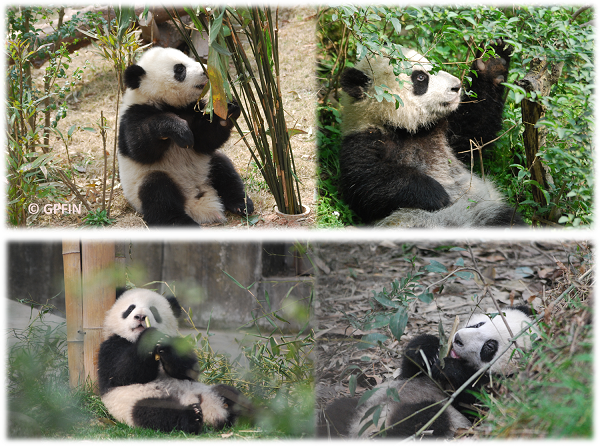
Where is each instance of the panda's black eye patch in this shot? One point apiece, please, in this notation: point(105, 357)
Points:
point(488, 351)
point(420, 81)
point(156, 314)
point(127, 312)
point(476, 325)
point(179, 71)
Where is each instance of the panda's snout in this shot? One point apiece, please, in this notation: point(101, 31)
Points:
point(141, 319)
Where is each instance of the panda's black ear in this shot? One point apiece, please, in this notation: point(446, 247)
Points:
point(133, 76)
point(120, 291)
point(355, 82)
point(174, 305)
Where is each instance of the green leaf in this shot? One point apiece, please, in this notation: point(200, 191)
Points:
point(398, 322)
point(379, 297)
point(365, 396)
point(435, 267)
point(352, 384)
point(371, 340)
point(464, 274)
point(425, 297)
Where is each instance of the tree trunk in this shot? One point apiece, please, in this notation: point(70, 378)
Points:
point(541, 77)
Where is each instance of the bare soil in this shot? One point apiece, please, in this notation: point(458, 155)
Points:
point(97, 92)
point(516, 274)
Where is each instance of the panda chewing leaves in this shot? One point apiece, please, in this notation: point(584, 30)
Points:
point(170, 169)
point(399, 166)
point(147, 373)
point(404, 405)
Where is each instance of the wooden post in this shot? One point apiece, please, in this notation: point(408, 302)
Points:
point(74, 310)
point(98, 278)
point(541, 77)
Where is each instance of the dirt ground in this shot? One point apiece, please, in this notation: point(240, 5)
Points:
point(97, 92)
point(516, 273)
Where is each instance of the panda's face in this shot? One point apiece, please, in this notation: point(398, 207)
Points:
point(135, 308)
point(165, 76)
point(484, 338)
point(426, 97)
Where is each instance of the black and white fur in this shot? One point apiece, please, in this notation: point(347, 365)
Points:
point(398, 165)
point(169, 166)
point(422, 385)
point(147, 374)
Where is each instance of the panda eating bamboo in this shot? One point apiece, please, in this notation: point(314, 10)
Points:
point(404, 405)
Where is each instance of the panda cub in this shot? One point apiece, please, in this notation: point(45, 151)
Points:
point(147, 373)
point(421, 386)
point(398, 166)
point(169, 167)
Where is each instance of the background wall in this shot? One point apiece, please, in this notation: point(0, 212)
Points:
point(274, 276)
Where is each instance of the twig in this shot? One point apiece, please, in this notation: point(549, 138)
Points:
point(73, 188)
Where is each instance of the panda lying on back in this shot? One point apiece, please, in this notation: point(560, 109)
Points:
point(147, 373)
point(169, 167)
point(399, 165)
point(422, 396)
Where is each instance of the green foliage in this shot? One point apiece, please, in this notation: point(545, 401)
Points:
point(29, 172)
point(39, 399)
point(389, 308)
point(332, 212)
point(450, 38)
point(98, 217)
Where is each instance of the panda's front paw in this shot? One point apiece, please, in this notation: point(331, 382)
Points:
point(178, 358)
point(495, 68)
point(184, 138)
point(233, 110)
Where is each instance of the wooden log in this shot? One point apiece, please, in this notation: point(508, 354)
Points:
point(71, 251)
point(98, 280)
point(79, 40)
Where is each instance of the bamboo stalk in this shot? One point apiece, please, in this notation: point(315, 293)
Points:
point(74, 310)
point(97, 262)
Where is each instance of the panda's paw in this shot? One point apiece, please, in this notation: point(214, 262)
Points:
point(495, 68)
point(233, 110)
point(215, 411)
point(503, 49)
point(183, 138)
point(178, 358)
point(243, 207)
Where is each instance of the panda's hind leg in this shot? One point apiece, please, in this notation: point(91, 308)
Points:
point(167, 415)
point(229, 185)
point(163, 203)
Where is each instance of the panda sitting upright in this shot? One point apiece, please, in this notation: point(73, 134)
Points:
point(398, 167)
point(147, 373)
point(410, 401)
point(169, 167)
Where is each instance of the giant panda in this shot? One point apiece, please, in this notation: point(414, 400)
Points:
point(147, 373)
point(397, 165)
point(170, 169)
point(425, 378)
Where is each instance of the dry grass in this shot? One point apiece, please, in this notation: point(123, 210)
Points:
point(97, 92)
